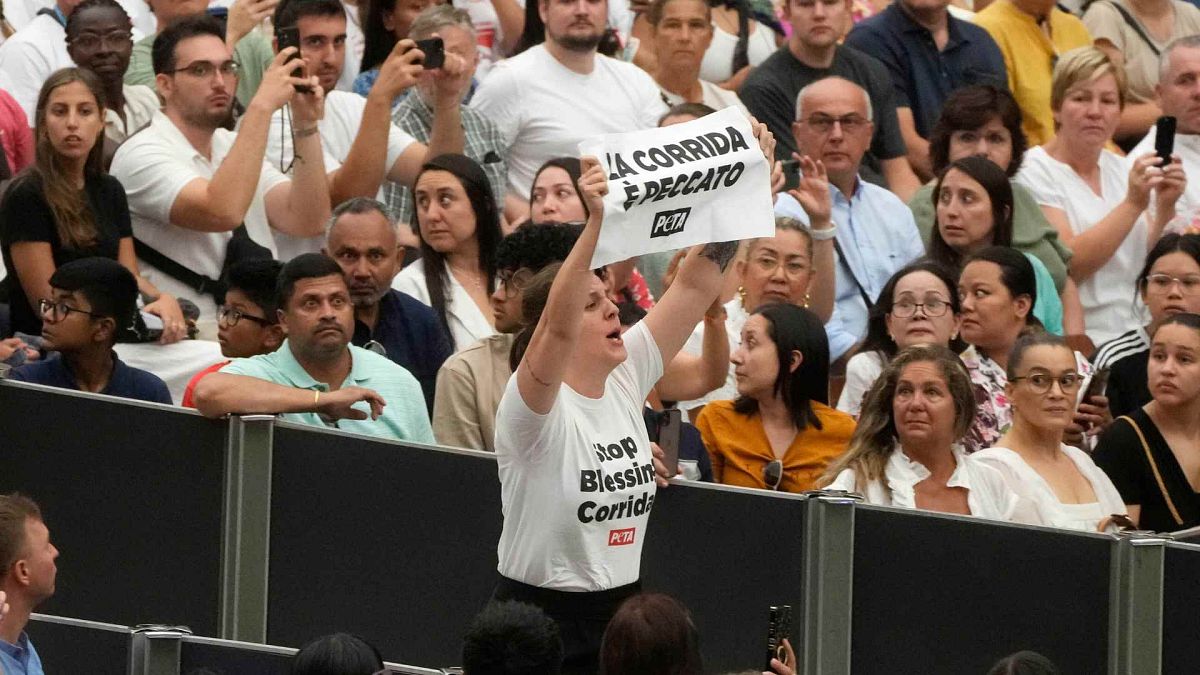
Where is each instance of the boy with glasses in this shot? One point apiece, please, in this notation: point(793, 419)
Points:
point(92, 301)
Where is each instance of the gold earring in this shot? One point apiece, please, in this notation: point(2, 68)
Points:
point(742, 294)
point(807, 297)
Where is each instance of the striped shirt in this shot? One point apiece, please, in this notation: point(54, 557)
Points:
point(1129, 343)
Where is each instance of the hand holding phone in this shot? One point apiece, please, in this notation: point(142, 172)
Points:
point(1164, 139)
point(434, 50)
point(290, 37)
point(779, 628)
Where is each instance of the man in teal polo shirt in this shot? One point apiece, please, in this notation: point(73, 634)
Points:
point(317, 377)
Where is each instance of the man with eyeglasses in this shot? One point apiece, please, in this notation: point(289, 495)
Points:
point(33, 52)
point(814, 52)
point(200, 195)
point(471, 382)
point(100, 38)
point(362, 239)
point(92, 301)
point(876, 235)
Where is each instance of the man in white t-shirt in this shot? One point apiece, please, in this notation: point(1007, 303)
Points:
point(548, 98)
point(362, 146)
point(1178, 88)
point(191, 183)
point(29, 56)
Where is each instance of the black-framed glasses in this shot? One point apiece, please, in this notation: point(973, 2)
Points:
point(1162, 283)
point(113, 40)
point(931, 307)
point(230, 316)
point(773, 473)
point(513, 282)
point(204, 70)
point(1041, 383)
point(59, 310)
point(823, 124)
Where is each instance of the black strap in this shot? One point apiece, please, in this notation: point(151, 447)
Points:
point(1137, 28)
point(190, 278)
point(741, 50)
point(837, 247)
point(53, 13)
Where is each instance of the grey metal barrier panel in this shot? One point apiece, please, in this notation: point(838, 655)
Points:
point(229, 657)
point(78, 646)
point(944, 594)
point(1181, 597)
point(132, 495)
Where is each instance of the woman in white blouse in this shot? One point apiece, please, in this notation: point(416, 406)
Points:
point(906, 452)
point(1061, 483)
point(1099, 202)
point(459, 225)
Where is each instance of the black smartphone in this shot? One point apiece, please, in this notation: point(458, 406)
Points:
point(290, 37)
point(1098, 385)
point(435, 53)
point(779, 626)
point(668, 438)
point(1164, 138)
point(791, 174)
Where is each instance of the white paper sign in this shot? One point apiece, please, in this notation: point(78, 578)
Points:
point(686, 184)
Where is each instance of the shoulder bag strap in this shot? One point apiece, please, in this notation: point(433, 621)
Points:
point(1154, 469)
point(190, 278)
point(1137, 28)
point(837, 247)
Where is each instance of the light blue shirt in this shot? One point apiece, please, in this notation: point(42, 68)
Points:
point(878, 235)
point(21, 658)
point(404, 417)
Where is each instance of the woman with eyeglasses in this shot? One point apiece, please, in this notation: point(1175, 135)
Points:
point(906, 449)
point(1061, 483)
point(64, 206)
point(1153, 454)
point(918, 306)
point(1168, 284)
point(779, 433)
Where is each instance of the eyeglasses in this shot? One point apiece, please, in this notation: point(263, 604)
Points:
point(931, 307)
point(1161, 283)
point(823, 124)
point(1041, 383)
point(773, 473)
point(114, 40)
point(515, 281)
point(59, 310)
point(204, 70)
point(231, 316)
point(792, 269)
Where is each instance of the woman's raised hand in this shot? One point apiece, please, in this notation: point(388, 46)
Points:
point(593, 185)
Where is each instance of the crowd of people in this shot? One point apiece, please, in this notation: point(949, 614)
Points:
point(981, 295)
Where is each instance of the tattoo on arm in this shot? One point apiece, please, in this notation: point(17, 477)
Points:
point(720, 252)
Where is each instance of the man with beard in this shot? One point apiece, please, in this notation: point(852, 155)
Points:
point(550, 97)
point(316, 376)
point(195, 187)
point(362, 239)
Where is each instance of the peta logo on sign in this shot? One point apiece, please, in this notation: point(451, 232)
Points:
point(671, 222)
point(621, 537)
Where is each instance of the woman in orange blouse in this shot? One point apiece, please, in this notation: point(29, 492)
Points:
point(780, 433)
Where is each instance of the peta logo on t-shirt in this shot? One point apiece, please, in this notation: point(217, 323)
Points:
point(623, 537)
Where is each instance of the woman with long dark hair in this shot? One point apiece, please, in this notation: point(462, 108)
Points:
point(459, 225)
point(386, 22)
point(64, 207)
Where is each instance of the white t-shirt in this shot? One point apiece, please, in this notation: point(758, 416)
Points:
point(343, 115)
point(717, 65)
point(1047, 510)
point(543, 110)
point(489, 34)
point(467, 323)
point(715, 97)
point(987, 494)
point(735, 320)
point(154, 165)
point(861, 372)
point(577, 484)
point(356, 42)
point(29, 57)
point(1187, 146)
point(1107, 296)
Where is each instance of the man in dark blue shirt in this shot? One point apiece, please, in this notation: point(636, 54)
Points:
point(929, 53)
point(92, 301)
point(362, 239)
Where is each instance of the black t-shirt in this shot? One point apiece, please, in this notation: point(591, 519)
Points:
point(1121, 454)
point(25, 216)
point(770, 94)
point(1127, 384)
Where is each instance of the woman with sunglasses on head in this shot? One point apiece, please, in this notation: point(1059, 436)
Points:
point(65, 207)
point(1153, 454)
point(1168, 284)
point(1062, 484)
point(906, 450)
point(779, 433)
point(918, 306)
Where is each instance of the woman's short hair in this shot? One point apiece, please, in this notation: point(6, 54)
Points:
point(512, 637)
point(571, 165)
point(875, 436)
point(651, 634)
point(696, 110)
point(1027, 341)
point(786, 224)
point(970, 108)
point(794, 328)
point(337, 654)
point(1080, 65)
point(878, 339)
point(1016, 273)
point(999, 190)
point(657, 7)
point(1188, 244)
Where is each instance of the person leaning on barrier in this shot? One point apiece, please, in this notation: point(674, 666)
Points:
point(362, 238)
point(336, 654)
point(317, 377)
point(91, 302)
point(27, 573)
point(471, 382)
point(907, 450)
point(512, 638)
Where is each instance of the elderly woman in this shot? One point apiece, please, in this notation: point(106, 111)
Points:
point(906, 450)
point(1097, 200)
point(1062, 484)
